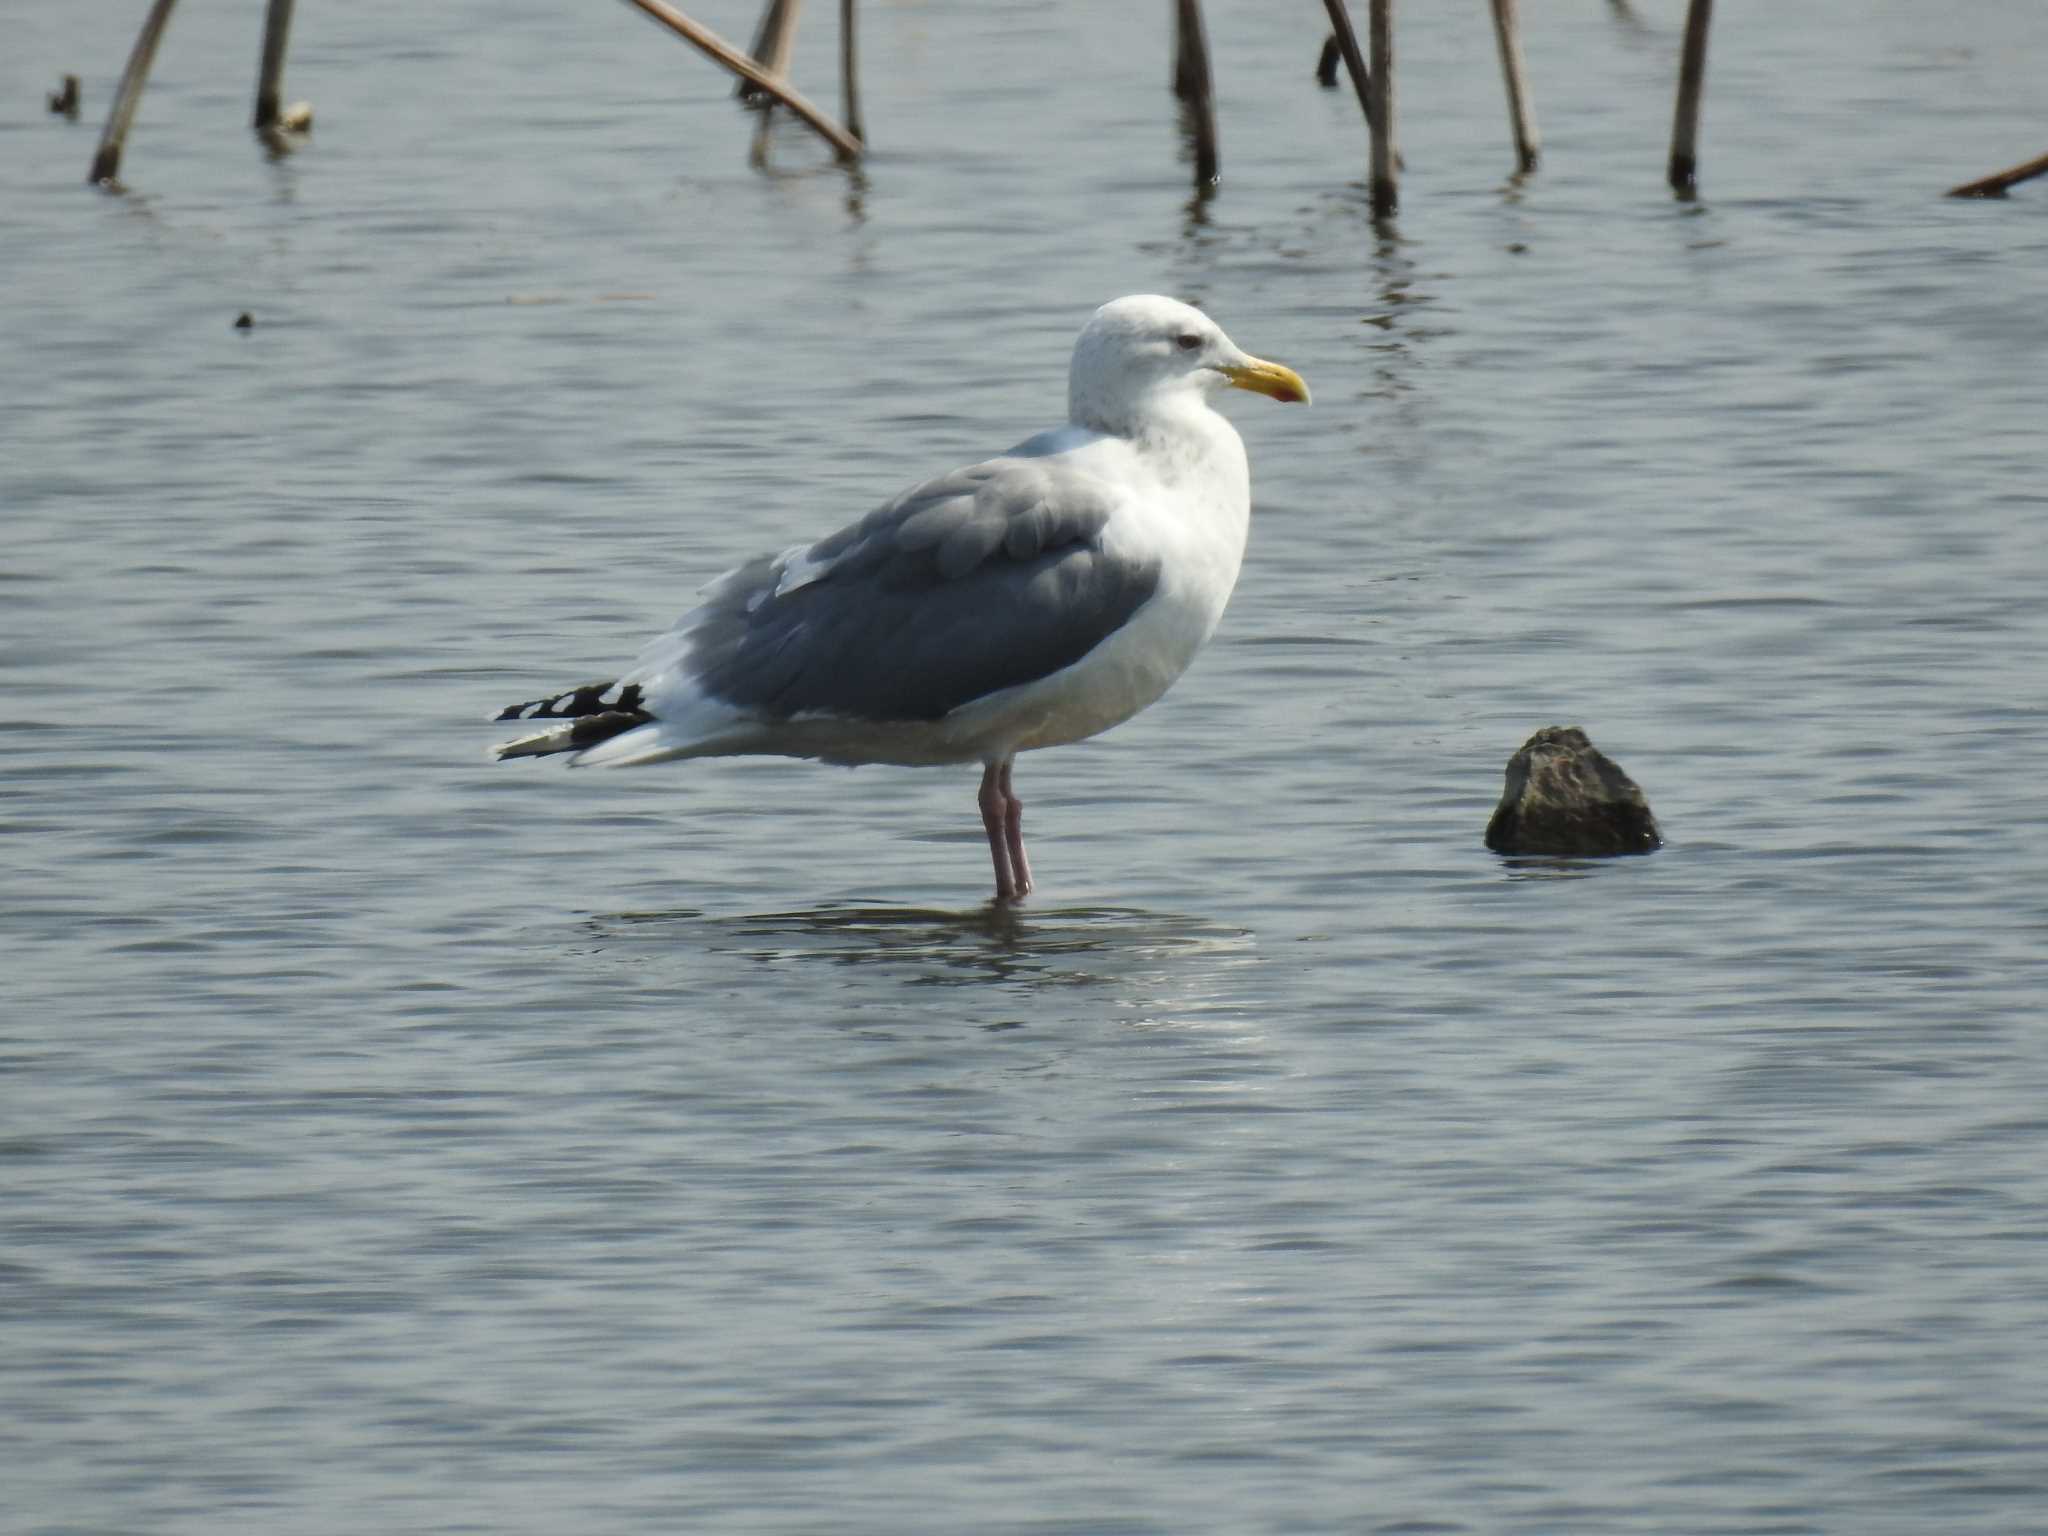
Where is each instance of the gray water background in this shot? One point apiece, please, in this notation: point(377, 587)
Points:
point(391, 1141)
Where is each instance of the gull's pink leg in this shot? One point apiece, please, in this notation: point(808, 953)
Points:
point(994, 805)
point(1013, 831)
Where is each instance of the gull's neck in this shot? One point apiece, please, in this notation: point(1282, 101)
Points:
point(1157, 417)
point(1184, 436)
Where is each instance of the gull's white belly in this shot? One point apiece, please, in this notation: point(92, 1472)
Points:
point(1121, 676)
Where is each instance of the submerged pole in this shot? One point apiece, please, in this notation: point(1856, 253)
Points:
point(719, 51)
point(1507, 32)
point(1684, 169)
point(849, 72)
point(1386, 191)
point(1193, 83)
point(277, 26)
point(106, 163)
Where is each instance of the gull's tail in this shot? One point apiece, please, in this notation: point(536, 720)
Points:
point(583, 717)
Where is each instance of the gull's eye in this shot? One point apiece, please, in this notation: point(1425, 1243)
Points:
point(1187, 341)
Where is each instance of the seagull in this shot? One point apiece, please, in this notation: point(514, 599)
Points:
point(1034, 599)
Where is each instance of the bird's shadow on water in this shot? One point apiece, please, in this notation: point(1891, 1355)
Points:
point(1018, 947)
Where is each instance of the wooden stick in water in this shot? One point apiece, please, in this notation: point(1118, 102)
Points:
point(1326, 63)
point(1386, 191)
point(1507, 32)
point(849, 72)
point(1994, 186)
point(780, 26)
point(746, 90)
point(1344, 45)
point(106, 163)
point(277, 26)
point(765, 30)
point(1194, 85)
point(719, 51)
point(1684, 170)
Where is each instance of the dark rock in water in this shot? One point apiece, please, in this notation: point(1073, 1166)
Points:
point(245, 321)
point(1567, 799)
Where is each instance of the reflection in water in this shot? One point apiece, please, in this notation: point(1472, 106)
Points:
point(1191, 148)
point(279, 144)
point(809, 161)
point(1057, 947)
point(1552, 867)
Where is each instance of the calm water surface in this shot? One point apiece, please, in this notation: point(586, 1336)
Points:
point(394, 1142)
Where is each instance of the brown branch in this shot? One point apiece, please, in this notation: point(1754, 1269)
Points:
point(849, 71)
point(774, 18)
point(1386, 160)
point(1343, 44)
point(106, 163)
point(1507, 32)
point(1683, 172)
point(277, 26)
point(719, 51)
point(1994, 186)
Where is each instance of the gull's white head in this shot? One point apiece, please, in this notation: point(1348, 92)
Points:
point(1140, 356)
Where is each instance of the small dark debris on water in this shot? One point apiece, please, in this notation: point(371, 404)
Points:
point(1565, 798)
point(66, 100)
point(1518, 248)
point(245, 321)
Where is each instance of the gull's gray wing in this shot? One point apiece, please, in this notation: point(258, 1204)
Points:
point(976, 581)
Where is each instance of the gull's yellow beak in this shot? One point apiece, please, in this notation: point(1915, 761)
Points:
point(1264, 378)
